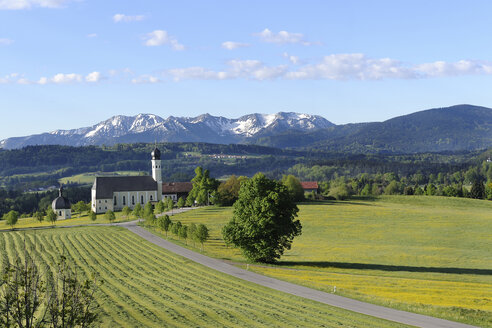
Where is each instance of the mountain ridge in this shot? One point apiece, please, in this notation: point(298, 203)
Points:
point(151, 127)
point(455, 128)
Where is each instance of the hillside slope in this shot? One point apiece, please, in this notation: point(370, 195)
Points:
point(461, 127)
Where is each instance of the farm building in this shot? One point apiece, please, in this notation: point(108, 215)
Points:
point(176, 190)
point(310, 186)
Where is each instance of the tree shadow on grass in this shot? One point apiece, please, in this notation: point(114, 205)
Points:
point(382, 267)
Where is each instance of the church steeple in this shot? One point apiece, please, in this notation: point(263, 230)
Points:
point(157, 170)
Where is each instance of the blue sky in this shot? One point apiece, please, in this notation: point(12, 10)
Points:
point(67, 64)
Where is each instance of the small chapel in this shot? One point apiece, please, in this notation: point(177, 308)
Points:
point(61, 206)
point(114, 193)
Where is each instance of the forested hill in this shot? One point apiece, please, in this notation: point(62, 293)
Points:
point(40, 166)
point(456, 128)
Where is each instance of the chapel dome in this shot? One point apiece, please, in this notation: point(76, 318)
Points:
point(60, 202)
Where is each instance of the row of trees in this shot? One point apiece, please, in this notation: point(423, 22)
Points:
point(28, 203)
point(196, 233)
point(12, 217)
point(391, 184)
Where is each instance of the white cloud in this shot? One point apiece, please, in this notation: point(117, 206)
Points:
point(353, 67)
point(23, 80)
point(43, 80)
point(293, 59)
point(196, 73)
point(230, 45)
point(66, 78)
point(126, 18)
point(5, 42)
point(332, 67)
point(93, 77)
point(146, 79)
point(462, 67)
point(161, 37)
point(28, 4)
point(245, 69)
point(92, 35)
point(282, 37)
point(61, 78)
point(9, 78)
point(121, 72)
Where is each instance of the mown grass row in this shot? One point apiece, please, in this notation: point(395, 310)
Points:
point(146, 286)
point(431, 255)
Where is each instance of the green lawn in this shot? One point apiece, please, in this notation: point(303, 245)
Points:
point(146, 286)
point(431, 255)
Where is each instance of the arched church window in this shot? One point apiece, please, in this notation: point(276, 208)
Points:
point(133, 200)
point(141, 199)
point(124, 200)
point(151, 197)
point(114, 200)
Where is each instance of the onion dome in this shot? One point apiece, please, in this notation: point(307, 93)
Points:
point(61, 203)
point(156, 154)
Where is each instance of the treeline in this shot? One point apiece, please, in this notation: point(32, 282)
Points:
point(475, 182)
point(28, 203)
point(42, 166)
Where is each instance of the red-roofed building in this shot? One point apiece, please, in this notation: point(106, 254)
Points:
point(176, 190)
point(310, 186)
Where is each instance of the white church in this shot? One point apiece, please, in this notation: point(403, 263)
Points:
point(114, 193)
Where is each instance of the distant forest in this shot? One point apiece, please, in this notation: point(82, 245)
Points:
point(35, 167)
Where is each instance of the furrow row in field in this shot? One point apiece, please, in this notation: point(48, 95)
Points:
point(114, 288)
point(192, 296)
point(222, 287)
point(130, 275)
point(193, 282)
point(156, 278)
point(107, 301)
point(313, 314)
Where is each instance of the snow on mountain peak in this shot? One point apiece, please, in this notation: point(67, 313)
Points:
point(205, 128)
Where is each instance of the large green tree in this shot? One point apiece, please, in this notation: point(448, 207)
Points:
point(264, 220)
point(203, 186)
point(294, 187)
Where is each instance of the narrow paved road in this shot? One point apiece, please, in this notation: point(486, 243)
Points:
point(283, 286)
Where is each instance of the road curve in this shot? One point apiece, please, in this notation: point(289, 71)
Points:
point(382, 312)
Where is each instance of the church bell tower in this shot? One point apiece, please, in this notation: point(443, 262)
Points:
point(157, 171)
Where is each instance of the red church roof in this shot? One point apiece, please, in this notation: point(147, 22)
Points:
point(309, 185)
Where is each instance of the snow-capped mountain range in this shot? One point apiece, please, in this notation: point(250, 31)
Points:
point(150, 128)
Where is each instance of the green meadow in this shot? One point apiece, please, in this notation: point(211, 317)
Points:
point(147, 286)
point(430, 255)
point(88, 178)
